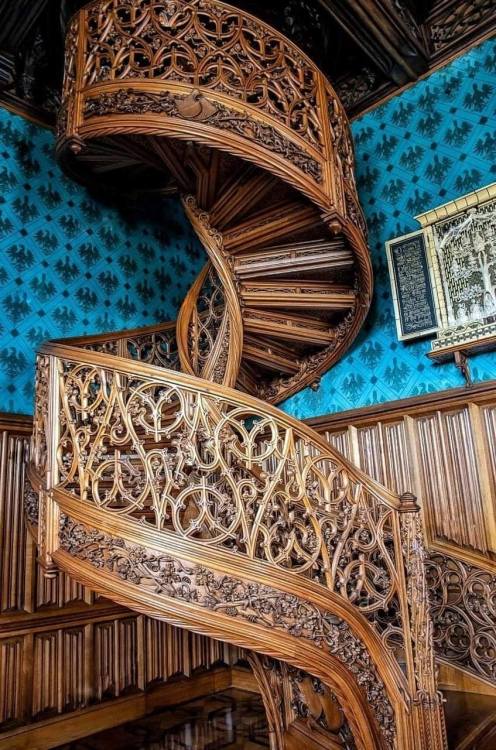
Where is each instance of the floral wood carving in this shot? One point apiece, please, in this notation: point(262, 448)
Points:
point(129, 101)
point(31, 504)
point(457, 19)
point(236, 598)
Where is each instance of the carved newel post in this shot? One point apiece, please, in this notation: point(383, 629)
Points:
point(44, 447)
point(427, 708)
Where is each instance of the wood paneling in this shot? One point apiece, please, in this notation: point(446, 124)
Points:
point(441, 447)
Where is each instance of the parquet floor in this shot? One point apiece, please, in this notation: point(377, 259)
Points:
point(232, 720)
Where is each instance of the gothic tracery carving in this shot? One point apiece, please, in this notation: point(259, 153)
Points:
point(463, 603)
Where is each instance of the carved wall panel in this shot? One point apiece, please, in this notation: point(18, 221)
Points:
point(11, 699)
point(13, 452)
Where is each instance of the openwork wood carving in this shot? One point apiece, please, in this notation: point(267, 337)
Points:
point(168, 490)
point(238, 92)
point(225, 474)
point(463, 604)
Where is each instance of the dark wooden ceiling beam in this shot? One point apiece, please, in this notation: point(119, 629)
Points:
point(18, 21)
point(386, 32)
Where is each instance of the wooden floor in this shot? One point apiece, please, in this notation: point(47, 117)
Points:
point(232, 720)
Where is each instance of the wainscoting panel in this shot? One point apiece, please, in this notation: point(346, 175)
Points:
point(441, 447)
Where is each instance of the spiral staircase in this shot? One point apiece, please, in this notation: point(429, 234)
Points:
point(167, 479)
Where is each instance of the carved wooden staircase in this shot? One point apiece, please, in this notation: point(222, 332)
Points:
point(165, 482)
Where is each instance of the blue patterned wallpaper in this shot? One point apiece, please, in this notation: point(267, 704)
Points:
point(428, 145)
point(72, 265)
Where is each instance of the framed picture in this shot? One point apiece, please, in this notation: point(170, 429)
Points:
point(415, 307)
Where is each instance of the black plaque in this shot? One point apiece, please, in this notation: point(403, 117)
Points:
point(413, 296)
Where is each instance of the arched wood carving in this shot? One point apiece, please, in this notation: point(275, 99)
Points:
point(171, 492)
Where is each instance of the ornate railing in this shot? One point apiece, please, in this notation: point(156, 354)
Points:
point(170, 492)
point(160, 58)
point(220, 476)
point(202, 72)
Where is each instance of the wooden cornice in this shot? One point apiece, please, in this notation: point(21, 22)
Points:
point(390, 38)
point(20, 424)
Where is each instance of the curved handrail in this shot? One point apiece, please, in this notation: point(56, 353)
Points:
point(225, 355)
point(210, 473)
point(190, 382)
point(226, 471)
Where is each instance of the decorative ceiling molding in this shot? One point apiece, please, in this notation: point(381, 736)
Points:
point(387, 32)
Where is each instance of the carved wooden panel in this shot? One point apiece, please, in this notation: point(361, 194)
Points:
point(341, 441)
point(12, 531)
point(74, 659)
point(488, 414)
point(369, 454)
point(11, 703)
point(56, 592)
point(47, 668)
point(128, 654)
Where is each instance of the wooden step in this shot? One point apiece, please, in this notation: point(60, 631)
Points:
point(289, 327)
point(320, 295)
point(240, 196)
point(293, 258)
point(263, 228)
point(274, 356)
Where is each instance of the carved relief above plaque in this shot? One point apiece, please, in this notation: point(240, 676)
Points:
point(444, 276)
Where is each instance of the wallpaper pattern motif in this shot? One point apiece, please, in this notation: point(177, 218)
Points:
point(72, 265)
point(428, 145)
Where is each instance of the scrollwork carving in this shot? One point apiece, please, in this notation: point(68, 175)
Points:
point(227, 476)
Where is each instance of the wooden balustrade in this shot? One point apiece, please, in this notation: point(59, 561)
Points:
point(178, 496)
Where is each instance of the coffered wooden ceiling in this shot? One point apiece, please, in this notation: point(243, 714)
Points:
point(368, 48)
